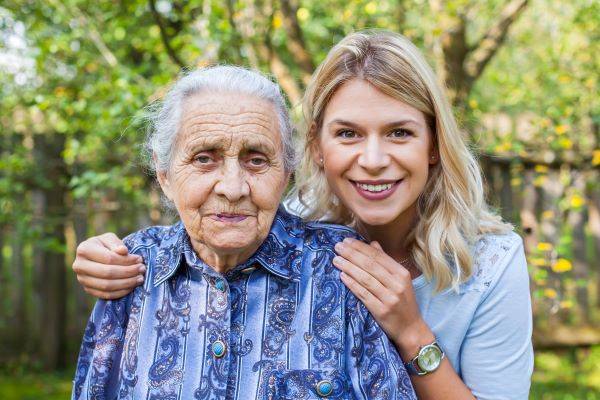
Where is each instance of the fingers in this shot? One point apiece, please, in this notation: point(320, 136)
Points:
point(361, 260)
point(360, 253)
point(361, 277)
point(113, 243)
point(97, 249)
point(109, 286)
point(367, 298)
point(106, 271)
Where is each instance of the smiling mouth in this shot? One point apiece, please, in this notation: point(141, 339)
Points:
point(376, 190)
point(375, 187)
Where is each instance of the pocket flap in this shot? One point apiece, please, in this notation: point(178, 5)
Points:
point(307, 384)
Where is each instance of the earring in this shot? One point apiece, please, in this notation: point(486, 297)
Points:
point(321, 161)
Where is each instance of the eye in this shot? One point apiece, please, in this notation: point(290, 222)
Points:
point(400, 133)
point(346, 134)
point(257, 161)
point(203, 159)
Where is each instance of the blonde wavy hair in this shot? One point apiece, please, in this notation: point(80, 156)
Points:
point(452, 212)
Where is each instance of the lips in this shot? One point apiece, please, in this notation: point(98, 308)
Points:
point(230, 218)
point(376, 190)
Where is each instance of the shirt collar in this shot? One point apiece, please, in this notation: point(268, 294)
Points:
point(280, 253)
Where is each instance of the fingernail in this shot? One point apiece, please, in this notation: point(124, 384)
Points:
point(139, 259)
point(348, 240)
point(142, 269)
point(339, 246)
point(140, 279)
point(337, 259)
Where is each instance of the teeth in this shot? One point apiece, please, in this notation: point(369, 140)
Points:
point(374, 188)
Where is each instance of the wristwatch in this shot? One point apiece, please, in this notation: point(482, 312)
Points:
point(428, 360)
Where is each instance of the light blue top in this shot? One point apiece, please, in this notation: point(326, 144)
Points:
point(485, 328)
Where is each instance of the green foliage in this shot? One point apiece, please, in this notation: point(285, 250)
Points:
point(87, 69)
point(567, 375)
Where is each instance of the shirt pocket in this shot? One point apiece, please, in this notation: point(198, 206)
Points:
point(307, 384)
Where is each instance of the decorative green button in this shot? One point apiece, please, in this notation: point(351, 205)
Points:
point(218, 348)
point(220, 285)
point(324, 388)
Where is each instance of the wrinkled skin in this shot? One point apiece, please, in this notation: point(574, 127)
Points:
point(227, 175)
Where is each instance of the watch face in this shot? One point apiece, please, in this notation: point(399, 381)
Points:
point(429, 358)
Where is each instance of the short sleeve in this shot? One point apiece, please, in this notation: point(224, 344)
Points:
point(101, 348)
point(375, 369)
point(497, 354)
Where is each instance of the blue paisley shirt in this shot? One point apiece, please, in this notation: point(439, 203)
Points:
point(280, 326)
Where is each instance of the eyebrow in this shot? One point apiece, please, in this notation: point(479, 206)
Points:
point(392, 124)
point(216, 143)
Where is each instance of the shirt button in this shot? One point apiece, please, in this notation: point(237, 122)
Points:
point(218, 348)
point(220, 285)
point(324, 388)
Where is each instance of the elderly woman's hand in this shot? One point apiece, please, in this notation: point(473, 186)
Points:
point(105, 269)
point(384, 286)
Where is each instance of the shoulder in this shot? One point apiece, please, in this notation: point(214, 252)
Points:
point(326, 234)
point(151, 236)
point(496, 258)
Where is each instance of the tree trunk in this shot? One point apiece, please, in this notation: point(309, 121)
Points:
point(48, 150)
point(38, 204)
point(82, 300)
point(18, 322)
point(460, 64)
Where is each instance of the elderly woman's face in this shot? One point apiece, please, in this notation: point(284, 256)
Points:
point(227, 175)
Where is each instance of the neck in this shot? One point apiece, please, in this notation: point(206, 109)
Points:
point(392, 236)
point(222, 260)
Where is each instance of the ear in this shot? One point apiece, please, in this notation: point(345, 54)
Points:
point(434, 156)
point(315, 146)
point(163, 178)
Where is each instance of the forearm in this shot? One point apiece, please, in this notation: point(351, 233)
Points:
point(441, 384)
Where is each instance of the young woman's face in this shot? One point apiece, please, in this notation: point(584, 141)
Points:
point(376, 153)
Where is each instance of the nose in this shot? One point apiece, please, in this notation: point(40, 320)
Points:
point(232, 184)
point(373, 157)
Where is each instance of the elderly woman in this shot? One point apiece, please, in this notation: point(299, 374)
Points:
point(241, 299)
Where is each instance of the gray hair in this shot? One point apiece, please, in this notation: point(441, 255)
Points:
point(164, 117)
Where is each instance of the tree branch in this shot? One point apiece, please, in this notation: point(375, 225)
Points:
point(295, 40)
point(256, 33)
point(163, 35)
point(485, 49)
point(83, 20)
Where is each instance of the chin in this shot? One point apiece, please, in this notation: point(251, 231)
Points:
point(376, 218)
point(230, 245)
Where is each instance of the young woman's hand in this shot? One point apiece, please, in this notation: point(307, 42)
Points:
point(105, 268)
point(385, 287)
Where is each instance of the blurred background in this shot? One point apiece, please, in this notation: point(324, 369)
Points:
point(76, 74)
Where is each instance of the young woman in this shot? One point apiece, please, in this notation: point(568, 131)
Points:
point(444, 277)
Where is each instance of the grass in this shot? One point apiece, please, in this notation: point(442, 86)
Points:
point(572, 374)
point(36, 386)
